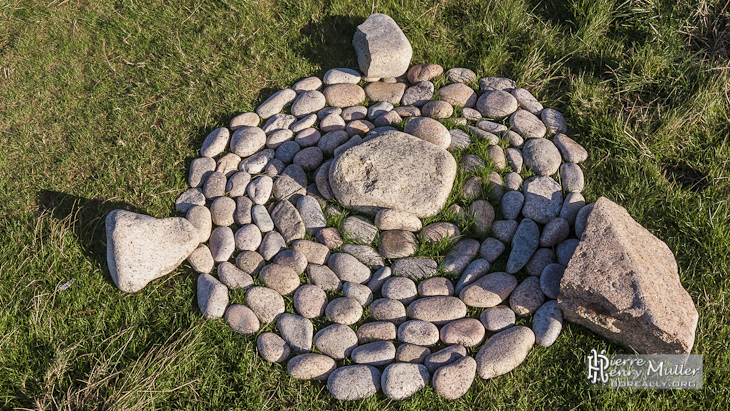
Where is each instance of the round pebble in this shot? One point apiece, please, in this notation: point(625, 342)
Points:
point(527, 297)
point(401, 380)
point(418, 332)
point(376, 353)
point(386, 309)
point(296, 331)
point(311, 366)
point(429, 130)
point(344, 310)
point(435, 286)
point(336, 341)
point(468, 332)
point(412, 353)
point(354, 382)
point(550, 280)
point(547, 323)
point(376, 331)
point(397, 244)
point(266, 303)
point(491, 290)
point(444, 357)
point(498, 318)
point(454, 380)
point(438, 310)
point(272, 348)
point(310, 301)
point(400, 289)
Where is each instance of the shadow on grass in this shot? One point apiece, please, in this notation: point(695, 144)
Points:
point(86, 218)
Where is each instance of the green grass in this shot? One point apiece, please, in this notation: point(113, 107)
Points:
point(104, 105)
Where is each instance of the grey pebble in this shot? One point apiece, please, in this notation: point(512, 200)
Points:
point(378, 278)
point(376, 331)
point(357, 228)
point(547, 323)
point(305, 123)
point(498, 318)
point(278, 122)
point(308, 102)
point(460, 256)
point(266, 303)
point(287, 151)
point(200, 169)
point(401, 380)
point(323, 277)
point(411, 353)
point(272, 348)
point(541, 156)
point(247, 141)
point(256, 163)
point(418, 332)
point(571, 176)
point(242, 320)
point(490, 291)
point(259, 189)
point(512, 139)
point(250, 262)
point(354, 113)
point(496, 104)
point(385, 309)
point(397, 244)
point(280, 278)
point(200, 217)
point(571, 151)
point(483, 214)
point(354, 382)
point(492, 248)
point(504, 351)
point(365, 254)
point(513, 181)
point(527, 124)
point(311, 214)
point(201, 260)
point(272, 243)
point(460, 75)
point(288, 221)
point(514, 158)
point(311, 367)
point(330, 237)
point(221, 211)
point(581, 219)
point(261, 218)
point(418, 95)
point(543, 199)
point(554, 121)
point(496, 83)
point(212, 296)
point(376, 353)
point(344, 310)
point(438, 310)
point(474, 271)
point(512, 204)
point(293, 259)
point(468, 332)
point(565, 250)
point(554, 232)
point(491, 127)
point(571, 206)
point(400, 289)
point(336, 341)
point(215, 143)
point(472, 188)
point(459, 139)
point(524, 244)
point(527, 297)
point(550, 280)
point(541, 259)
point(358, 292)
point(348, 268)
point(435, 286)
point(527, 101)
point(276, 103)
point(296, 331)
point(310, 301)
point(308, 137)
point(314, 252)
point(189, 199)
point(504, 230)
point(222, 244)
point(233, 277)
point(237, 184)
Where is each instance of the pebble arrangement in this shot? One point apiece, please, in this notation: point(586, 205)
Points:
point(263, 185)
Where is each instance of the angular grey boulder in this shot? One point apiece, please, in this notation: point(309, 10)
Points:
point(141, 248)
point(382, 48)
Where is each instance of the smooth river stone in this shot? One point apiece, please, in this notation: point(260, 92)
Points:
point(491, 249)
point(460, 75)
point(365, 254)
point(418, 332)
point(222, 244)
point(541, 156)
point(547, 323)
point(458, 95)
point(354, 382)
point(390, 93)
point(212, 296)
point(376, 353)
point(554, 121)
point(512, 204)
point(266, 303)
point(250, 262)
point(382, 173)
point(385, 309)
point(418, 95)
point(430, 130)
point(344, 310)
point(460, 256)
point(402, 380)
point(311, 367)
point(527, 297)
point(496, 104)
point(276, 103)
point(435, 286)
point(201, 260)
point(201, 218)
point(571, 176)
point(215, 143)
point(415, 268)
point(336, 341)
point(242, 320)
point(474, 271)
point(272, 243)
point(400, 289)
point(504, 351)
point(376, 331)
point(527, 124)
point(233, 277)
point(296, 331)
point(280, 278)
point(438, 310)
point(293, 259)
point(348, 268)
point(541, 259)
point(288, 221)
point(543, 199)
point(524, 244)
point(468, 332)
point(359, 229)
point(497, 318)
point(200, 169)
point(397, 244)
point(315, 253)
point(571, 151)
point(310, 301)
point(358, 292)
point(550, 280)
point(491, 290)
point(272, 348)
point(344, 95)
point(454, 380)
point(433, 233)
point(378, 278)
point(444, 357)
point(412, 353)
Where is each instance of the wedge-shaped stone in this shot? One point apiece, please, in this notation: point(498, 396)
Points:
point(382, 48)
point(141, 248)
point(383, 172)
point(623, 284)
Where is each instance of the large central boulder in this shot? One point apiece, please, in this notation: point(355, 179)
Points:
point(395, 170)
point(623, 283)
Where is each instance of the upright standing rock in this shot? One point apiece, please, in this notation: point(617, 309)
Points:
point(140, 248)
point(382, 48)
point(623, 283)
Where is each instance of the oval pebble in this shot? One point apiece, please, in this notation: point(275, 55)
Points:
point(438, 310)
point(280, 278)
point(454, 380)
point(547, 323)
point(354, 382)
point(491, 290)
point(311, 367)
point(336, 341)
point(468, 332)
point(375, 353)
point(310, 301)
point(400, 289)
point(412, 353)
point(444, 357)
point(527, 297)
point(344, 310)
point(504, 351)
point(418, 332)
point(272, 348)
point(401, 380)
point(348, 268)
point(435, 286)
point(385, 309)
point(296, 331)
point(266, 303)
point(498, 318)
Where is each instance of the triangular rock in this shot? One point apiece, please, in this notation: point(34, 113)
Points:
point(140, 248)
point(623, 284)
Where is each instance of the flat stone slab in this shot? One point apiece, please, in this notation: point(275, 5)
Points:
point(384, 172)
point(623, 283)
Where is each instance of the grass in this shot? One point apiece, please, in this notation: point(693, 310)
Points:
point(104, 105)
